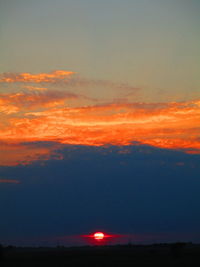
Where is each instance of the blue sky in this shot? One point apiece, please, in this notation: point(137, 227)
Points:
point(147, 191)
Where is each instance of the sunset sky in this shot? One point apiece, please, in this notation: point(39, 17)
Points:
point(99, 120)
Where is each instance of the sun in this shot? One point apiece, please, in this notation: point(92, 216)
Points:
point(98, 236)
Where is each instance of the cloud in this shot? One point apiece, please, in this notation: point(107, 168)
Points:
point(61, 78)
point(26, 77)
point(13, 103)
point(7, 108)
point(164, 125)
point(83, 82)
point(9, 181)
point(12, 154)
point(41, 114)
point(34, 88)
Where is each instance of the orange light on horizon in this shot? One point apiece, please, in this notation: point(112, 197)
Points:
point(98, 236)
point(102, 238)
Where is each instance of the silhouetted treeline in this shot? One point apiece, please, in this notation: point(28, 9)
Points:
point(176, 254)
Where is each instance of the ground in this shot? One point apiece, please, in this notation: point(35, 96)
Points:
point(178, 254)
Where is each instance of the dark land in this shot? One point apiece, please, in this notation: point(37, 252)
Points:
point(176, 254)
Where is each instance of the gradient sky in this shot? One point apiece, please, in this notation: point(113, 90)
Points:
point(100, 119)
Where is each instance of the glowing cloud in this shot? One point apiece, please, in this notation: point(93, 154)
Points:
point(34, 88)
point(12, 154)
point(60, 77)
point(35, 78)
point(43, 115)
point(12, 103)
point(167, 125)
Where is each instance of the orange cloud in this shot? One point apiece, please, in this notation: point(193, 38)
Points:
point(165, 125)
point(12, 154)
point(39, 115)
point(35, 78)
point(13, 103)
point(34, 88)
point(7, 108)
point(61, 77)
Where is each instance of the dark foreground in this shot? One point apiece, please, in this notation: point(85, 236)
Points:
point(178, 254)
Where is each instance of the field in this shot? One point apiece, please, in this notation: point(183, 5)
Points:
point(178, 254)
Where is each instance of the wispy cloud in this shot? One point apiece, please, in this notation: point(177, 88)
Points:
point(12, 103)
point(26, 77)
point(61, 78)
point(9, 181)
point(35, 88)
point(12, 153)
point(166, 125)
point(38, 114)
point(29, 91)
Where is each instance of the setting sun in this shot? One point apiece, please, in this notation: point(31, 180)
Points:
point(98, 236)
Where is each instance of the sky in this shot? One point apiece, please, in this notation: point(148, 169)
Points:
point(99, 120)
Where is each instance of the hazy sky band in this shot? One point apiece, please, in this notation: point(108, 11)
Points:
point(149, 44)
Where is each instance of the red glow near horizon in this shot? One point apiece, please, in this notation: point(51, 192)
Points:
point(101, 238)
point(98, 236)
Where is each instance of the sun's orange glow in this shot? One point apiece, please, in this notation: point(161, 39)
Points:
point(101, 238)
point(98, 236)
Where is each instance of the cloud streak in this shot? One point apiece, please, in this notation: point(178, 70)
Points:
point(9, 181)
point(165, 125)
point(26, 77)
point(39, 114)
point(12, 154)
point(35, 88)
point(60, 78)
point(13, 103)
